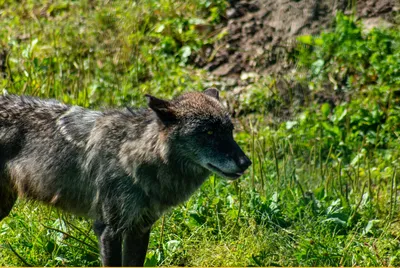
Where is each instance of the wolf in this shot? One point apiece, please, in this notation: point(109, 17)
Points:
point(122, 168)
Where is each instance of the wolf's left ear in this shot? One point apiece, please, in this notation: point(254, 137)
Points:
point(213, 92)
point(162, 108)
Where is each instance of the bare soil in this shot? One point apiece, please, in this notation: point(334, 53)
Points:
point(260, 33)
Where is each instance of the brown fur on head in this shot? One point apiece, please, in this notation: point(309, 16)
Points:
point(192, 104)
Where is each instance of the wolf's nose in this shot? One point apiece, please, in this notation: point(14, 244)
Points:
point(244, 162)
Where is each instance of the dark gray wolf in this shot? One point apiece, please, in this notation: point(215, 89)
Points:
point(123, 168)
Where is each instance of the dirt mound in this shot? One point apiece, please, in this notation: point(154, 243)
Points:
point(260, 32)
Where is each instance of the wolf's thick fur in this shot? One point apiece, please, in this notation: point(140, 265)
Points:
point(122, 168)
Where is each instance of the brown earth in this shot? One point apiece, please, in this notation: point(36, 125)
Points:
point(259, 33)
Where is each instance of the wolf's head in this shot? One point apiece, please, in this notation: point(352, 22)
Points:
point(199, 129)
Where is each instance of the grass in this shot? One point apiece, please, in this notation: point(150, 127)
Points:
point(323, 189)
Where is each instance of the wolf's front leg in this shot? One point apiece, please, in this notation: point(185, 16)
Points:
point(110, 244)
point(135, 247)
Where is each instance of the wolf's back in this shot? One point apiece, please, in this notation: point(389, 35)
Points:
point(19, 109)
point(45, 117)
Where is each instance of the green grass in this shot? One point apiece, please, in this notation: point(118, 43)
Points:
point(323, 189)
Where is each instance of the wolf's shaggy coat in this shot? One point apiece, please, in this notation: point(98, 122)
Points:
point(123, 168)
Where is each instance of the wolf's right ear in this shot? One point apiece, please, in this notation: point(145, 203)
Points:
point(162, 108)
point(212, 92)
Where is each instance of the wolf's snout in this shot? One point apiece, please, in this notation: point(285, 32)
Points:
point(243, 162)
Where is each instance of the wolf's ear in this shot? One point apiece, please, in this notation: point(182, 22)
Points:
point(162, 108)
point(213, 92)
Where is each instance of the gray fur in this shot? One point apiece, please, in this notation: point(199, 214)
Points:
point(122, 168)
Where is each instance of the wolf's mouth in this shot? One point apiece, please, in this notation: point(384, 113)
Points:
point(224, 174)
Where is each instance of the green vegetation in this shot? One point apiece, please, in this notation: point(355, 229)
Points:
point(324, 186)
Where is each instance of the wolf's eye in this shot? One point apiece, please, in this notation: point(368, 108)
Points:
point(210, 132)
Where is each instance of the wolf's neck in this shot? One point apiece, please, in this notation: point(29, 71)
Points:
point(146, 147)
point(160, 170)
